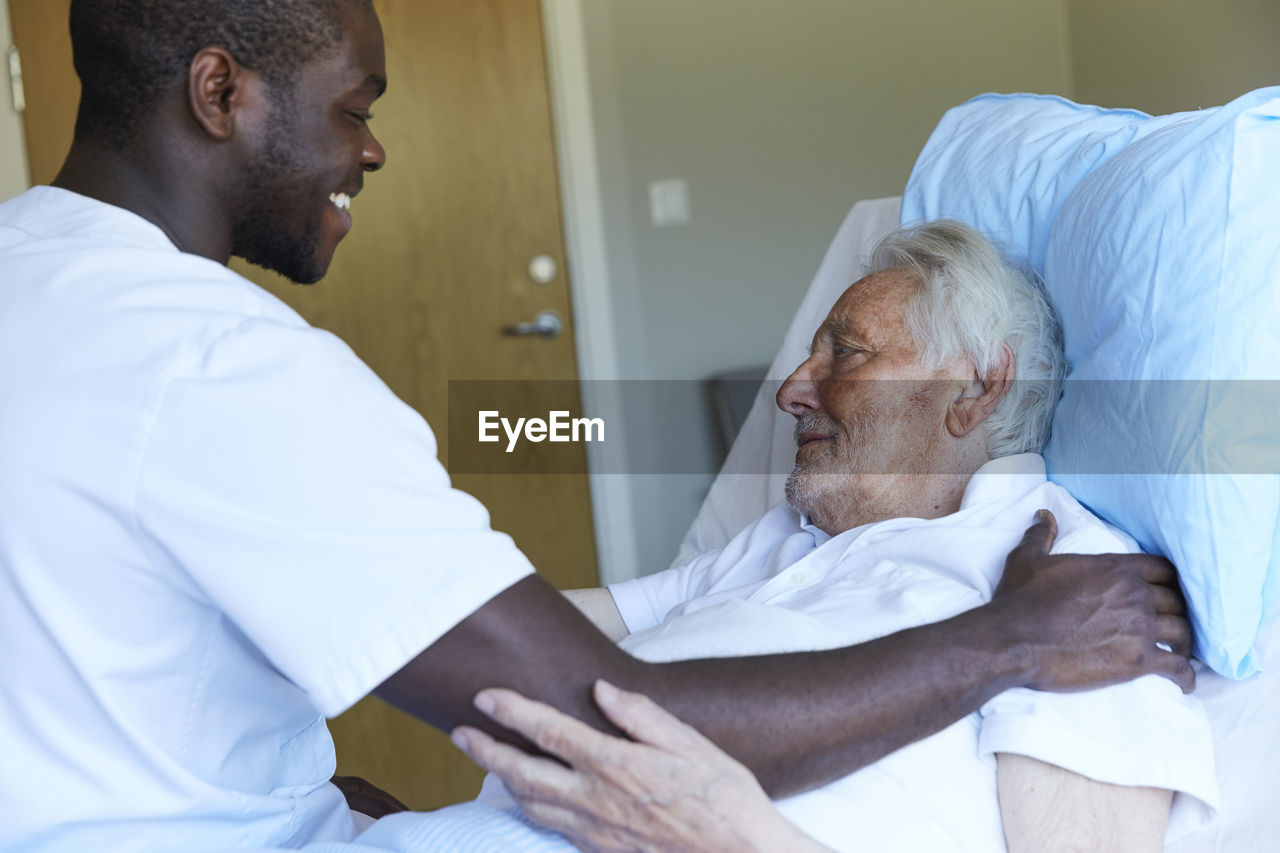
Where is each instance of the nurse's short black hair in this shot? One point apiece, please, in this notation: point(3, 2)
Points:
point(130, 53)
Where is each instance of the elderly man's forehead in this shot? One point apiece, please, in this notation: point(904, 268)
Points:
point(880, 296)
point(894, 281)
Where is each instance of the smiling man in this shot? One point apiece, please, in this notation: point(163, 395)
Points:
point(218, 527)
point(919, 414)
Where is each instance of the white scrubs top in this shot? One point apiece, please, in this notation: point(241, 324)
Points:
point(217, 528)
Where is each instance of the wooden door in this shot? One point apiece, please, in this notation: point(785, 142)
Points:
point(436, 265)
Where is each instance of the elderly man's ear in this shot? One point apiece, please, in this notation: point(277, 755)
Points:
point(979, 398)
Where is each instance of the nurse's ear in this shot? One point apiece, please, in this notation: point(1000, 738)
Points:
point(979, 397)
point(216, 91)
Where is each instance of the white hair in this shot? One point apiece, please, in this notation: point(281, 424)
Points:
point(972, 302)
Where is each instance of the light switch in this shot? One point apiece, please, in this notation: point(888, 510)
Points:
point(669, 202)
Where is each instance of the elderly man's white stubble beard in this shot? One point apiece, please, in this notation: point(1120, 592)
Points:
point(864, 475)
point(822, 484)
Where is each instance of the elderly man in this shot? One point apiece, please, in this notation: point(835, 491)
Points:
point(930, 389)
point(200, 489)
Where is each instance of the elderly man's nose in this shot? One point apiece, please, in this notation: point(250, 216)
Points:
point(799, 394)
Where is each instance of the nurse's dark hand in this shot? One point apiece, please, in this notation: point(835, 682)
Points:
point(1081, 622)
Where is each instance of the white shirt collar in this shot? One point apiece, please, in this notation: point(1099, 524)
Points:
point(1006, 477)
point(54, 212)
point(819, 535)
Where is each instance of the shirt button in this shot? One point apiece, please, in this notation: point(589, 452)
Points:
point(798, 578)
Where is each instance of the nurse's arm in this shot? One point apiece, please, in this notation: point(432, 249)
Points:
point(1059, 622)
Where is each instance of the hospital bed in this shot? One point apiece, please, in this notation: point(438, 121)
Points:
point(1037, 174)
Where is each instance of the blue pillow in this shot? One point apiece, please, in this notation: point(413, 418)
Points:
point(1159, 240)
point(1165, 265)
point(1006, 163)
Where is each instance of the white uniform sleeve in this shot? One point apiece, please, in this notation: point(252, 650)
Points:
point(1145, 732)
point(300, 497)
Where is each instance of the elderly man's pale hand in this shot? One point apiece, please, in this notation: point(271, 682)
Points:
point(1085, 621)
point(668, 789)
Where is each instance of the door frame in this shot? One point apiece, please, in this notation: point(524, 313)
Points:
point(594, 319)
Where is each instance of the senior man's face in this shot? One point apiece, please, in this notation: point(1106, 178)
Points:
point(868, 414)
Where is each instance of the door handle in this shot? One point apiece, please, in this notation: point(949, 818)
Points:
point(545, 324)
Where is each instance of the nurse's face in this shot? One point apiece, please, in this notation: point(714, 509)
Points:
point(311, 159)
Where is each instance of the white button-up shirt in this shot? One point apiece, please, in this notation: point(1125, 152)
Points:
point(783, 585)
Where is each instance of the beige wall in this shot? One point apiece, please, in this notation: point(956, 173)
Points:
point(13, 152)
point(780, 114)
point(1165, 56)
